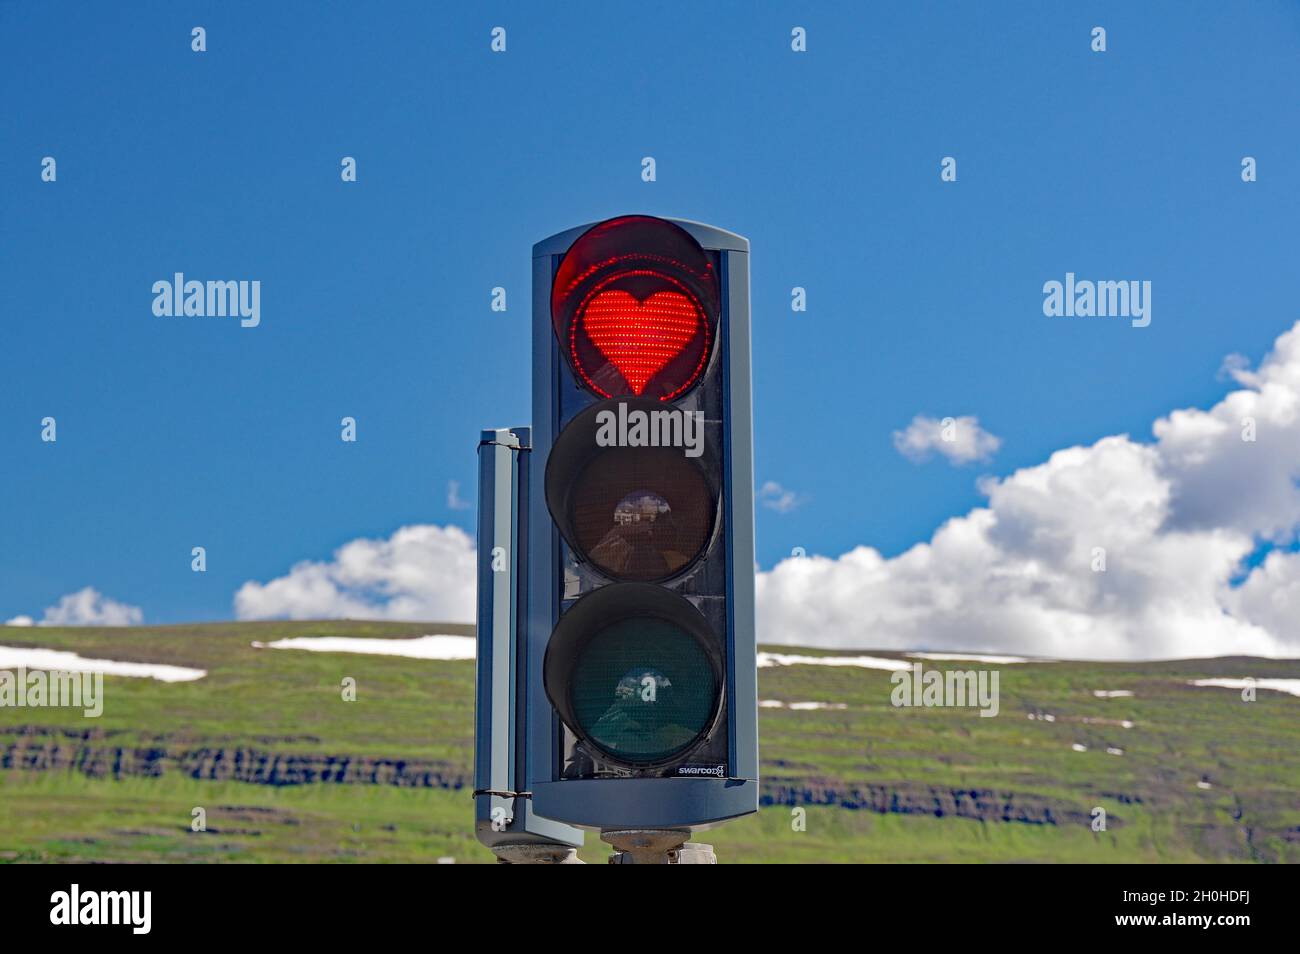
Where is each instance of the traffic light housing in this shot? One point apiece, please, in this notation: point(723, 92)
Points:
point(640, 628)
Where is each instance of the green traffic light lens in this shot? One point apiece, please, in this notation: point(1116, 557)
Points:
point(643, 690)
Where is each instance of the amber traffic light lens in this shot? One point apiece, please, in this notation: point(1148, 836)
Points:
point(641, 513)
point(641, 510)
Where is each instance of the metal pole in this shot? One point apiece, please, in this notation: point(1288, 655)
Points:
point(504, 820)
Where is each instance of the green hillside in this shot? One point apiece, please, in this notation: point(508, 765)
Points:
point(285, 770)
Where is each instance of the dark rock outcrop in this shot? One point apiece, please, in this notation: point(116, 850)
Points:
point(980, 804)
point(49, 752)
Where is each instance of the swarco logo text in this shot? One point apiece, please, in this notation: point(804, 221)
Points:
point(195, 299)
point(103, 907)
point(669, 427)
point(717, 771)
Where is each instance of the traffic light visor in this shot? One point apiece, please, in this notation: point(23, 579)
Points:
point(635, 308)
point(640, 513)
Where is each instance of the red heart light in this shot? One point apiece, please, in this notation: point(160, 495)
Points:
point(640, 337)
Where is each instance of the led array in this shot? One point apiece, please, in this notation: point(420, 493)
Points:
point(640, 337)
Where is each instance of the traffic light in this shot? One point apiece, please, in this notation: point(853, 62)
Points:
point(640, 627)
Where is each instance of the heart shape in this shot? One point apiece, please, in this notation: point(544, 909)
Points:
point(640, 337)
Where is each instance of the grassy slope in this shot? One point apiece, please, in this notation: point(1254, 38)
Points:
point(283, 701)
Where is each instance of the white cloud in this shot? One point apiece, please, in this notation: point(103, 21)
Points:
point(960, 439)
point(421, 572)
point(1176, 518)
point(453, 496)
point(775, 497)
point(1235, 367)
point(1270, 596)
point(86, 607)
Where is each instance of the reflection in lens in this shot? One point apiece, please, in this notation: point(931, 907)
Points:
point(640, 508)
point(643, 689)
point(642, 514)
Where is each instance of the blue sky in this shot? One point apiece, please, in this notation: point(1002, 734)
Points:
point(924, 297)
